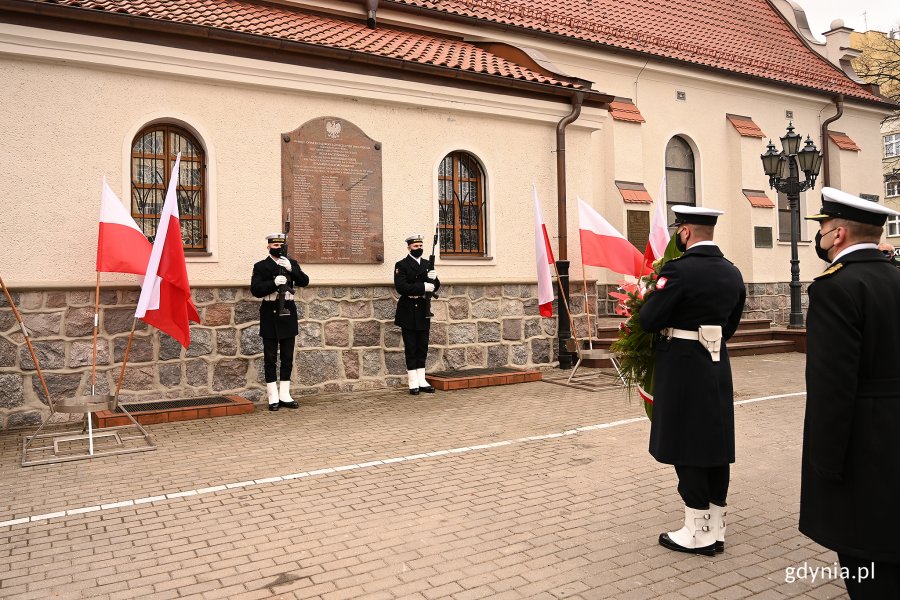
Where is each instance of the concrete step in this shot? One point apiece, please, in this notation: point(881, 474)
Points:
point(169, 411)
point(474, 378)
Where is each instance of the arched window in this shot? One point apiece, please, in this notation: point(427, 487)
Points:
point(153, 155)
point(680, 188)
point(461, 205)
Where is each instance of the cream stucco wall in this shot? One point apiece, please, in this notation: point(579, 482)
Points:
point(74, 115)
point(76, 103)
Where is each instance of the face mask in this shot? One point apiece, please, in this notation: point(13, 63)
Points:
point(417, 252)
point(276, 252)
point(820, 251)
point(682, 246)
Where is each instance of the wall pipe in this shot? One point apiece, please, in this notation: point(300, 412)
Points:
point(826, 174)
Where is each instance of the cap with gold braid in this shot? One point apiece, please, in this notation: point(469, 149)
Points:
point(415, 238)
point(841, 205)
point(276, 238)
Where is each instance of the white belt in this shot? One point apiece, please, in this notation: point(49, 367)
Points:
point(709, 336)
point(274, 296)
point(682, 334)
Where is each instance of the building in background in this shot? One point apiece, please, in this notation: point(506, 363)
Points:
point(459, 106)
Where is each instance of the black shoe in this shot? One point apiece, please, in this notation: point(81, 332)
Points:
point(274, 407)
point(666, 542)
point(413, 391)
point(720, 547)
point(427, 389)
point(291, 404)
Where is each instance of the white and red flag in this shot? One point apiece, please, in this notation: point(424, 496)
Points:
point(165, 300)
point(659, 229)
point(543, 254)
point(121, 245)
point(603, 246)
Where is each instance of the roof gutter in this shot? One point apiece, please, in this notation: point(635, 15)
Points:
point(839, 104)
point(43, 12)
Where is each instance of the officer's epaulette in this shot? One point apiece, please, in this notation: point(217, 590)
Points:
point(829, 271)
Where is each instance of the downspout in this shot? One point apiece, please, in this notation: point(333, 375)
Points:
point(564, 330)
point(371, 9)
point(839, 103)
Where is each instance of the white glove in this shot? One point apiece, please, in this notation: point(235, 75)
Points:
point(432, 274)
point(429, 287)
point(284, 262)
point(280, 280)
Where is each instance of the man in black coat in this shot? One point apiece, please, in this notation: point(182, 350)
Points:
point(415, 280)
point(850, 476)
point(277, 331)
point(695, 308)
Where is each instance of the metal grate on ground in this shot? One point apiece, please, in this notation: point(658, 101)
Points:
point(170, 404)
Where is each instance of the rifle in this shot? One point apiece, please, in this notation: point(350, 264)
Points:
point(434, 244)
point(285, 287)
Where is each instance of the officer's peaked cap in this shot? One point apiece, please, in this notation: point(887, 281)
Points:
point(837, 204)
point(695, 215)
point(276, 238)
point(415, 238)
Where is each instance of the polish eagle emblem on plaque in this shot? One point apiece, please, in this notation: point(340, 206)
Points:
point(333, 129)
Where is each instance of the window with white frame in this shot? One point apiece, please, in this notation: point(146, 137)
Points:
point(892, 186)
point(892, 145)
point(893, 226)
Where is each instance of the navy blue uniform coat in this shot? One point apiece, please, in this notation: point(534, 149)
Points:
point(850, 482)
point(409, 280)
point(262, 284)
point(693, 399)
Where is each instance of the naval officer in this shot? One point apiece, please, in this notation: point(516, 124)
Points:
point(695, 308)
point(849, 490)
point(277, 272)
point(415, 280)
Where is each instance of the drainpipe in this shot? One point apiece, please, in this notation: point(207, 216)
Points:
point(564, 330)
point(371, 9)
point(839, 103)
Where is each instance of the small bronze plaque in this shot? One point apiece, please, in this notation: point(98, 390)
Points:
point(331, 193)
point(638, 228)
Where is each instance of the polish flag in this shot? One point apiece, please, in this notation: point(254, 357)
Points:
point(165, 301)
point(659, 230)
point(121, 245)
point(543, 254)
point(603, 246)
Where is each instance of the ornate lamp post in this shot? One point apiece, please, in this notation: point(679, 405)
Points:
point(783, 169)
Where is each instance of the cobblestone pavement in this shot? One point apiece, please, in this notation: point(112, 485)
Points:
point(525, 491)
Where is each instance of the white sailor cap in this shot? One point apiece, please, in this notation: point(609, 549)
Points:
point(694, 215)
point(415, 238)
point(276, 238)
point(841, 205)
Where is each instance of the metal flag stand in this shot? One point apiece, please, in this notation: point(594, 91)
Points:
point(66, 445)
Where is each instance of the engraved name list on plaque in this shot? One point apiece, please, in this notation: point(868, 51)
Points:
point(331, 193)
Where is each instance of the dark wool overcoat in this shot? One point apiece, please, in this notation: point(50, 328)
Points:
point(850, 481)
point(262, 284)
point(413, 308)
point(693, 399)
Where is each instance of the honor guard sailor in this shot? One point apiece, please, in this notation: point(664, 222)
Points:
point(695, 309)
point(415, 280)
point(849, 490)
point(275, 276)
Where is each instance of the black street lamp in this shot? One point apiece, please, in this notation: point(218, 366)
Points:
point(783, 169)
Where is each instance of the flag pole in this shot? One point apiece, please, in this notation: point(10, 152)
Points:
point(125, 359)
point(587, 307)
point(28, 342)
point(96, 327)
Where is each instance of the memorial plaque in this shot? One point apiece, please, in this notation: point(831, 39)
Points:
point(331, 193)
point(638, 228)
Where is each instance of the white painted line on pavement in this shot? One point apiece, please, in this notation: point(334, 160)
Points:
point(349, 467)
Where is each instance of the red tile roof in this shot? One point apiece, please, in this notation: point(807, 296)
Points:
point(748, 37)
point(625, 110)
point(758, 199)
point(843, 141)
point(634, 193)
point(745, 126)
point(291, 24)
